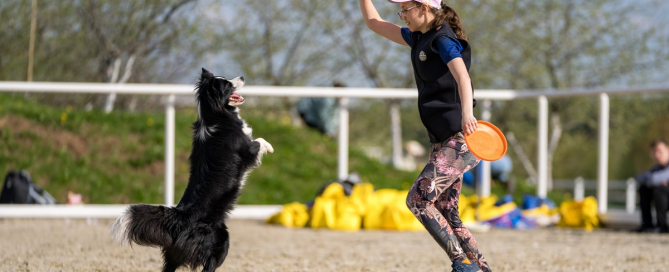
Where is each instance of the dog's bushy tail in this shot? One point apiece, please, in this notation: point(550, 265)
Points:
point(147, 225)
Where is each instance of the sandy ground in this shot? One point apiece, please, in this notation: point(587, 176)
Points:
point(81, 245)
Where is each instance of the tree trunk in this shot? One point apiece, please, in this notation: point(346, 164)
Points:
point(111, 97)
point(127, 72)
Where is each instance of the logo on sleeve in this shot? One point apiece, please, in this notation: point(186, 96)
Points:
point(422, 56)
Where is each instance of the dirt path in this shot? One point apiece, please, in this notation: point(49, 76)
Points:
point(78, 245)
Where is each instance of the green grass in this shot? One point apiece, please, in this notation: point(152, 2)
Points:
point(118, 157)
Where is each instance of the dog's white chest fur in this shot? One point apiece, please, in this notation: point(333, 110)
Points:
point(265, 147)
point(245, 126)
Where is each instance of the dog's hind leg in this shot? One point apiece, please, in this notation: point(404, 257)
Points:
point(171, 261)
point(169, 267)
point(211, 265)
point(216, 259)
point(218, 256)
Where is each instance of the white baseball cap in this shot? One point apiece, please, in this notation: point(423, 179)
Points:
point(432, 3)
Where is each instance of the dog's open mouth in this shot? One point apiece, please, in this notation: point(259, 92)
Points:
point(236, 99)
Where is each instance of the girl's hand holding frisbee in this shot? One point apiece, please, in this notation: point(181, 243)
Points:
point(469, 124)
point(487, 142)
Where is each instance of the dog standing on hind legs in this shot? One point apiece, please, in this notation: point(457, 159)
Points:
point(194, 233)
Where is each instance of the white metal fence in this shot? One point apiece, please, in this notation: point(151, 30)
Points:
point(620, 192)
point(542, 96)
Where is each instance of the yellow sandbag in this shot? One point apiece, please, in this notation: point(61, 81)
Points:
point(374, 209)
point(570, 214)
point(348, 217)
point(492, 212)
point(300, 214)
point(542, 210)
point(473, 201)
point(463, 203)
point(362, 190)
point(396, 215)
point(590, 213)
point(360, 196)
point(403, 217)
point(390, 218)
point(468, 206)
point(487, 202)
point(385, 196)
point(283, 218)
point(579, 214)
point(323, 213)
point(293, 215)
point(333, 191)
point(377, 203)
point(372, 217)
point(388, 222)
point(468, 214)
point(348, 222)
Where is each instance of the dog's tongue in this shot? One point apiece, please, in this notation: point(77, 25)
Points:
point(236, 97)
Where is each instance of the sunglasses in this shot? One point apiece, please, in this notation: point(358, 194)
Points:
point(403, 12)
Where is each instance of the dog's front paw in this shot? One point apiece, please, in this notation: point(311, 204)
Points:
point(265, 146)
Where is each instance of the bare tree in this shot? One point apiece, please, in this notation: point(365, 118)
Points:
point(128, 31)
point(279, 43)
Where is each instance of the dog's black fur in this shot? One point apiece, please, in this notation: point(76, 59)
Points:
point(194, 233)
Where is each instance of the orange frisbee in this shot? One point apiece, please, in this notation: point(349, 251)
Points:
point(487, 142)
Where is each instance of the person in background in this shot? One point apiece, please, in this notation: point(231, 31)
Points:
point(653, 186)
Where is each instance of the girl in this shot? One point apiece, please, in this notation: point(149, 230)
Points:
point(441, 58)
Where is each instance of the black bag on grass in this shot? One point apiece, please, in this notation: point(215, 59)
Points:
point(20, 189)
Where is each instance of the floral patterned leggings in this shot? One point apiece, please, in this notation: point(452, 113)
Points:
point(433, 199)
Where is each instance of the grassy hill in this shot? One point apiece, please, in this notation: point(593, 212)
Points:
point(118, 157)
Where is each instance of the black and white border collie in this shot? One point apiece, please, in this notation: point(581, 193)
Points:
point(194, 233)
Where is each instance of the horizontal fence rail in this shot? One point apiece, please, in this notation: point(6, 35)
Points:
point(187, 89)
point(291, 91)
point(170, 90)
point(114, 211)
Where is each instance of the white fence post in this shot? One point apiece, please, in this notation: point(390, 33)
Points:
point(630, 196)
point(542, 164)
point(169, 151)
point(579, 189)
point(342, 147)
point(484, 189)
point(603, 161)
point(396, 134)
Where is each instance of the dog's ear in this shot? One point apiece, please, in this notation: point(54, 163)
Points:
point(206, 74)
